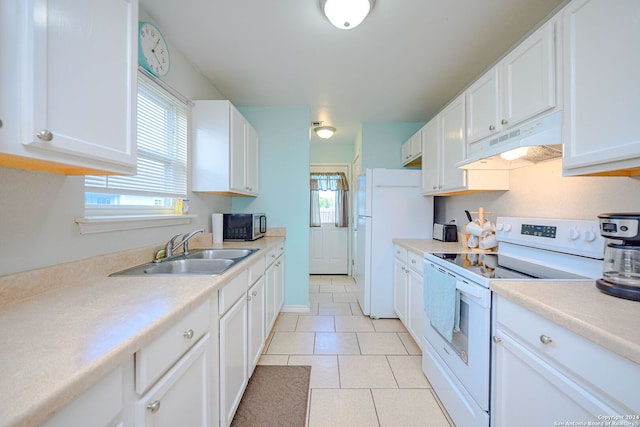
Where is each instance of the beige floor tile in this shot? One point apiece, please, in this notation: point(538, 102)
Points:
point(365, 372)
point(408, 371)
point(314, 288)
point(353, 324)
point(408, 408)
point(333, 288)
point(286, 323)
point(338, 309)
point(336, 343)
point(380, 343)
point(355, 309)
point(343, 280)
point(324, 370)
point(316, 324)
point(276, 359)
point(409, 343)
point(388, 325)
point(349, 296)
point(313, 311)
point(291, 343)
point(319, 280)
point(320, 297)
point(342, 408)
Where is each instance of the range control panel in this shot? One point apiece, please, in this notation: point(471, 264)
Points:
point(578, 237)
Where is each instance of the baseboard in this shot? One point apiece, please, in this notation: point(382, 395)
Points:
point(296, 309)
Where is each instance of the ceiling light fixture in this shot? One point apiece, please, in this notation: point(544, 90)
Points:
point(324, 132)
point(346, 14)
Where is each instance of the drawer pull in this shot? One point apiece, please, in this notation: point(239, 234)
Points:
point(188, 334)
point(154, 406)
point(544, 339)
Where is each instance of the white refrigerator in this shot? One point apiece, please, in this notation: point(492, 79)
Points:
point(390, 205)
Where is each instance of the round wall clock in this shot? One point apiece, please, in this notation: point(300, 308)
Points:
point(153, 52)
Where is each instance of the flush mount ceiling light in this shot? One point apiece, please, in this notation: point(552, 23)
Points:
point(324, 132)
point(346, 14)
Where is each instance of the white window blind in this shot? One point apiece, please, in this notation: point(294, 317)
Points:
point(162, 150)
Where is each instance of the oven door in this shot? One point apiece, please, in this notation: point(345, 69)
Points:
point(467, 355)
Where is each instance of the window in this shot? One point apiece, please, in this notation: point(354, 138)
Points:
point(162, 160)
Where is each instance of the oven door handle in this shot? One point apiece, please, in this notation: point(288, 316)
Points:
point(481, 295)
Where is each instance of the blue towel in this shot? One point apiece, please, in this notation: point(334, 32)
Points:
point(442, 302)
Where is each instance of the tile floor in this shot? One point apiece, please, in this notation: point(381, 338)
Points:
point(365, 372)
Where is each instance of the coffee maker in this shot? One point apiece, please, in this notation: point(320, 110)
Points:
point(621, 270)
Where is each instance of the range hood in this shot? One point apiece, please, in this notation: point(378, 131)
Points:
point(531, 143)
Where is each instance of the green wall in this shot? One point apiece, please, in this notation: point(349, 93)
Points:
point(382, 143)
point(332, 153)
point(284, 188)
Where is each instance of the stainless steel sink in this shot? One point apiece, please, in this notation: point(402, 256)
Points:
point(191, 266)
point(220, 253)
point(202, 262)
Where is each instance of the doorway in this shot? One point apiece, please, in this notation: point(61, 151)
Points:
point(330, 219)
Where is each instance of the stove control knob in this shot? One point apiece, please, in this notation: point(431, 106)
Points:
point(499, 226)
point(507, 227)
point(574, 234)
point(589, 236)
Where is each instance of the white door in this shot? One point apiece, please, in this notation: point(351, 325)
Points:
point(329, 244)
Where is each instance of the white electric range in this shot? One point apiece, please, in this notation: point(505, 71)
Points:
point(457, 360)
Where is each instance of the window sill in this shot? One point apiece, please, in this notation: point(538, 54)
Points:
point(103, 224)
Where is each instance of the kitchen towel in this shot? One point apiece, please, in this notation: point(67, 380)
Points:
point(442, 302)
point(216, 227)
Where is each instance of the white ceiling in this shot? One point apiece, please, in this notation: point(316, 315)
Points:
point(402, 64)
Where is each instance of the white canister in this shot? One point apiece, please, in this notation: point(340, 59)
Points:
point(216, 227)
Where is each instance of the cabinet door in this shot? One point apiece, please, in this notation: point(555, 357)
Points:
point(453, 145)
point(256, 334)
point(279, 284)
point(400, 289)
point(431, 157)
point(483, 107)
point(416, 306)
point(237, 151)
point(601, 130)
point(529, 77)
point(270, 297)
point(523, 382)
point(233, 359)
point(71, 84)
point(181, 396)
point(252, 162)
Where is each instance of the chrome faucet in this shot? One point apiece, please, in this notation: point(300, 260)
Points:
point(170, 248)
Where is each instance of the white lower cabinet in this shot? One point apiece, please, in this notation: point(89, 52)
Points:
point(233, 353)
point(181, 397)
point(103, 405)
point(543, 373)
point(274, 298)
point(256, 322)
point(408, 291)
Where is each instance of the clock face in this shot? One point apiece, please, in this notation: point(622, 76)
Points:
point(153, 53)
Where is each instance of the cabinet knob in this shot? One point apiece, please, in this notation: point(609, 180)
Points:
point(154, 406)
point(492, 127)
point(248, 297)
point(504, 121)
point(544, 339)
point(188, 334)
point(254, 293)
point(497, 340)
point(45, 135)
point(0, 123)
point(435, 187)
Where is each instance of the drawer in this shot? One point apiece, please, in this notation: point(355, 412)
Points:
point(400, 253)
point(595, 367)
point(256, 270)
point(416, 262)
point(272, 254)
point(232, 291)
point(153, 360)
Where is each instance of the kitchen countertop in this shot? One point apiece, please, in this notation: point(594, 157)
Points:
point(611, 322)
point(60, 340)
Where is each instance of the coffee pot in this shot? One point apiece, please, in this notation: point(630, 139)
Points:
point(621, 269)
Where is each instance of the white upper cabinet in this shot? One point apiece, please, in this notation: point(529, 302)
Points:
point(412, 150)
point(601, 129)
point(520, 87)
point(444, 146)
point(68, 84)
point(225, 150)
